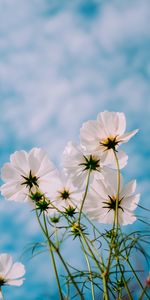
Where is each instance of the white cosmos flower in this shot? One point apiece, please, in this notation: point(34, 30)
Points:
point(10, 273)
point(101, 200)
point(63, 193)
point(104, 136)
point(76, 164)
point(25, 173)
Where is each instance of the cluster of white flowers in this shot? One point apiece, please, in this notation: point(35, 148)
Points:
point(33, 177)
point(89, 182)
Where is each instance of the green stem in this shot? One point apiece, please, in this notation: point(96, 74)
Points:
point(106, 294)
point(94, 249)
point(90, 250)
point(56, 236)
point(90, 271)
point(95, 228)
point(61, 258)
point(53, 258)
point(118, 192)
point(116, 227)
point(109, 259)
point(71, 277)
point(56, 274)
point(115, 222)
point(84, 197)
point(125, 283)
point(138, 280)
point(142, 294)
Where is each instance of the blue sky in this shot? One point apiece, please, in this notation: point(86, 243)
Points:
point(62, 62)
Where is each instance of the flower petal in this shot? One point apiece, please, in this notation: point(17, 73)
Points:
point(19, 160)
point(5, 263)
point(114, 123)
point(17, 282)
point(110, 159)
point(14, 191)
point(16, 271)
point(8, 172)
point(89, 136)
point(99, 187)
point(130, 203)
point(34, 164)
point(111, 181)
point(128, 189)
point(127, 136)
point(126, 218)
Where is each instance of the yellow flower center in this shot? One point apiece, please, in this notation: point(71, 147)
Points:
point(64, 194)
point(2, 280)
point(110, 143)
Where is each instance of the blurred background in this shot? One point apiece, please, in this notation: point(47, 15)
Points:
point(62, 62)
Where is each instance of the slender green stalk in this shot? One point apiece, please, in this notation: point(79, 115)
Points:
point(115, 222)
point(106, 294)
point(113, 237)
point(109, 259)
point(125, 283)
point(100, 266)
point(95, 250)
point(118, 192)
point(90, 271)
point(88, 263)
point(90, 250)
point(84, 197)
point(53, 258)
point(116, 227)
point(56, 236)
point(138, 280)
point(69, 274)
point(142, 294)
point(56, 274)
point(61, 258)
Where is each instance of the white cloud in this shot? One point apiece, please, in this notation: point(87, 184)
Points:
point(58, 74)
point(120, 24)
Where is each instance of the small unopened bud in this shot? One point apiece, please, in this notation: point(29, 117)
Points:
point(77, 229)
point(37, 196)
point(70, 211)
point(55, 219)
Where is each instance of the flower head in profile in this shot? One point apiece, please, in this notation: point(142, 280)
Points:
point(25, 174)
point(105, 135)
point(10, 273)
point(101, 200)
point(64, 196)
point(77, 164)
